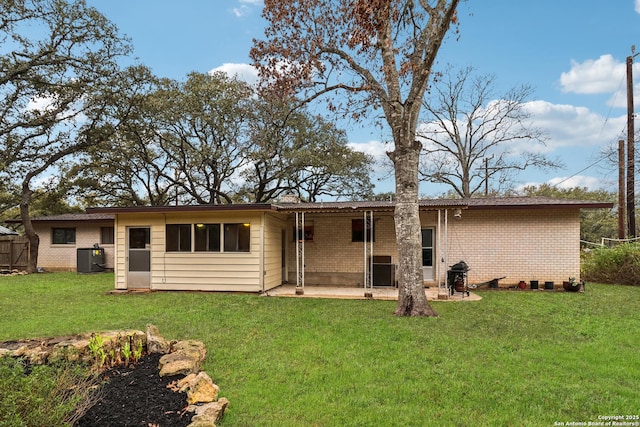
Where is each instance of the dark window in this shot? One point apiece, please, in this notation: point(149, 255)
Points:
point(106, 235)
point(178, 237)
point(207, 237)
point(139, 238)
point(307, 231)
point(63, 236)
point(357, 231)
point(237, 237)
point(427, 247)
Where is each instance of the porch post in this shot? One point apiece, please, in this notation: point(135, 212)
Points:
point(439, 252)
point(446, 248)
point(300, 253)
point(367, 225)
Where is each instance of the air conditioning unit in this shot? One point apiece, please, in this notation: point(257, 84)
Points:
point(90, 260)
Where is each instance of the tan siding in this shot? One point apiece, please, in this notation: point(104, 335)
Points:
point(273, 251)
point(196, 270)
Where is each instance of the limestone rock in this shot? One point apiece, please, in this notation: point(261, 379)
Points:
point(186, 359)
point(209, 414)
point(183, 385)
point(200, 389)
point(156, 343)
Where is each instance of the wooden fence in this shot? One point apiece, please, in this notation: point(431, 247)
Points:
point(14, 252)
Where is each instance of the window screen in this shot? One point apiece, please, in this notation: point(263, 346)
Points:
point(178, 238)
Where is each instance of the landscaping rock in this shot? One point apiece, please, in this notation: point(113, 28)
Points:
point(186, 358)
point(199, 388)
point(156, 343)
point(179, 358)
point(210, 414)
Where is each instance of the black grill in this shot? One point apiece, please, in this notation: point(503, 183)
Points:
point(457, 278)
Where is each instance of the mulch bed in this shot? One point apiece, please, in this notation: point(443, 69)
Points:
point(138, 396)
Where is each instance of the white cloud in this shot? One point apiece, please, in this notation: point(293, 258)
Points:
point(244, 72)
point(40, 103)
point(571, 126)
point(376, 149)
point(241, 11)
point(602, 75)
point(591, 182)
point(246, 7)
point(638, 6)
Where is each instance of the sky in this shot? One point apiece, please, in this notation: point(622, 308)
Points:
point(572, 52)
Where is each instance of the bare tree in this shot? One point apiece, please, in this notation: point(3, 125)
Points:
point(379, 54)
point(473, 136)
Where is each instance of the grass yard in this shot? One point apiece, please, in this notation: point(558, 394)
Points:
point(512, 359)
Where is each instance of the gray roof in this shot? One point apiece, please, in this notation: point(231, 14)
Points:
point(433, 204)
point(70, 217)
point(374, 205)
point(533, 203)
point(4, 231)
point(425, 204)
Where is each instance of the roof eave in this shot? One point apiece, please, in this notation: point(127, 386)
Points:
point(182, 208)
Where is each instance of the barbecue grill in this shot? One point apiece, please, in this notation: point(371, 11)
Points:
point(457, 278)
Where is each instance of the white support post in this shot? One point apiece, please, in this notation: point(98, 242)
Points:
point(440, 257)
point(300, 237)
point(446, 249)
point(367, 226)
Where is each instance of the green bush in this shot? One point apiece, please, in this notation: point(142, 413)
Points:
point(43, 395)
point(620, 264)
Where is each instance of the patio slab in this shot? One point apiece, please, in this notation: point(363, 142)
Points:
point(313, 291)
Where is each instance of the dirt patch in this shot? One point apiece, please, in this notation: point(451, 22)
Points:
point(138, 396)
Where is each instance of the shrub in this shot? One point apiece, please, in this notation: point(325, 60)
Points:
point(620, 264)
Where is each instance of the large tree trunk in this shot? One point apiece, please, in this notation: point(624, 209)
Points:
point(34, 239)
point(412, 300)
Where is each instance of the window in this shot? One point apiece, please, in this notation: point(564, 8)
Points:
point(207, 237)
point(427, 247)
point(178, 237)
point(63, 236)
point(106, 235)
point(139, 238)
point(307, 231)
point(237, 237)
point(357, 231)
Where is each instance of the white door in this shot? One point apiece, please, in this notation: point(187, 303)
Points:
point(427, 254)
point(139, 257)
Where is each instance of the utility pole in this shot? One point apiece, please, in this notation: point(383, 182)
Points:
point(621, 189)
point(486, 175)
point(631, 204)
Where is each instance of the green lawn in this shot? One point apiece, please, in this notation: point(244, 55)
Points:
point(512, 359)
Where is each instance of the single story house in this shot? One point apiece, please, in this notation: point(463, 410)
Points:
point(62, 235)
point(256, 247)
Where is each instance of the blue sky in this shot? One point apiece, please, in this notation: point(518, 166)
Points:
point(571, 51)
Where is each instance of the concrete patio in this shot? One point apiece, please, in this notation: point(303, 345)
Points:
point(313, 291)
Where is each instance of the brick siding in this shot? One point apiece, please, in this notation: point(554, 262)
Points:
point(64, 257)
point(522, 244)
